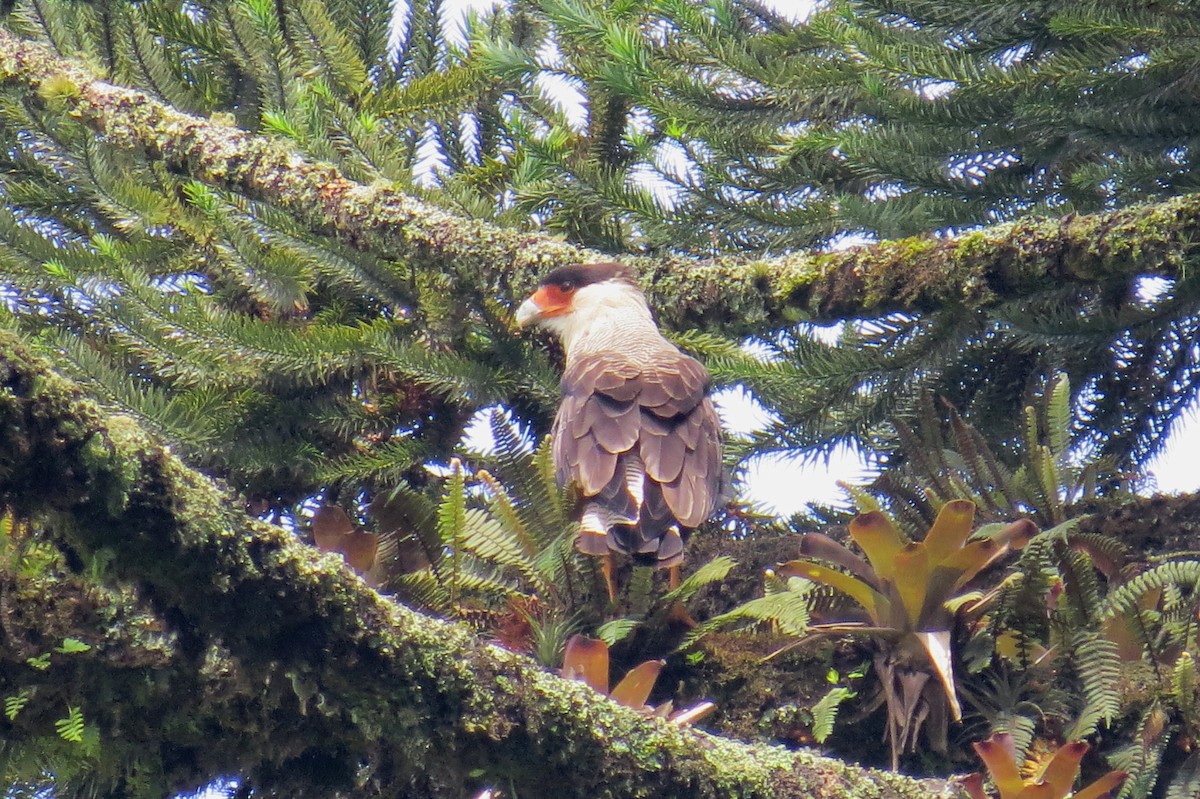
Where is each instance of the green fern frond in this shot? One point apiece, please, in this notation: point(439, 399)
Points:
point(71, 727)
point(516, 465)
point(1060, 416)
point(1143, 758)
point(714, 571)
point(451, 522)
point(1082, 589)
point(487, 537)
point(785, 612)
point(611, 632)
point(1185, 783)
point(825, 712)
point(1099, 669)
point(1021, 728)
point(15, 703)
point(428, 589)
point(504, 510)
point(1183, 688)
point(1124, 599)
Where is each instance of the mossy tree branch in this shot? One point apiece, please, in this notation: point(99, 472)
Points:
point(312, 678)
point(736, 294)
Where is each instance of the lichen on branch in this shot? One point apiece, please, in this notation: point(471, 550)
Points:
point(738, 294)
point(371, 687)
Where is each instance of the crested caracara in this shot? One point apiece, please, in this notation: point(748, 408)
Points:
point(636, 432)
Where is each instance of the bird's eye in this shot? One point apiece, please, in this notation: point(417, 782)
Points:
point(567, 286)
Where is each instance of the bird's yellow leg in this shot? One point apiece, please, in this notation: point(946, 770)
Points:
point(677, 612)
point(610, 583)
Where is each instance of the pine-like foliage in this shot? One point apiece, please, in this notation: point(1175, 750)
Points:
point(1035, 473)
point(883, 118)
point(709, 127)
point(296, 366)
point(270, 354)
point(634, 126)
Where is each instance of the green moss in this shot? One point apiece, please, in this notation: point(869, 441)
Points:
point(736, 295)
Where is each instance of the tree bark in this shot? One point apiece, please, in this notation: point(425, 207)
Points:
point(736, 294)
point(250, 654)
point(258, 656)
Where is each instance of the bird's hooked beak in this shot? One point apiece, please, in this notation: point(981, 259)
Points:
point(529, 312)
point(548, 301)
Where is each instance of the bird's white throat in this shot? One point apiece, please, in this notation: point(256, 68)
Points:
point(607, 316)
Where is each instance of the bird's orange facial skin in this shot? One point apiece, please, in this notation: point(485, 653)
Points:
point(552, 300)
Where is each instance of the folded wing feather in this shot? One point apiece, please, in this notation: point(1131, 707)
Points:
point(641, 443)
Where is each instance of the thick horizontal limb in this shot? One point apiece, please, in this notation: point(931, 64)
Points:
point(735, 294)
point(356, 682)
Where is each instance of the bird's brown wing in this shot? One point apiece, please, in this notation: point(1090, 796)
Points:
point(642, 443)
point(680, 440)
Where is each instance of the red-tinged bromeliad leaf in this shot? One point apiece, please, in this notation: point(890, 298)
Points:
point(1054, 780)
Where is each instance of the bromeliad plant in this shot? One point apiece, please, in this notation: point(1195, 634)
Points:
point(911, 594)
point(1052, 777)
point(586, 659)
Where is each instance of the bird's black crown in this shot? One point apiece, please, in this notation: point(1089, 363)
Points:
point(573, 276)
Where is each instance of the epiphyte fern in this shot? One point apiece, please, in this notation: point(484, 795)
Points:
point(71, 727)
point(825, 711)
point(783, 609)
point(1039, 475)
point(490, 539)
point(1161, 751)
point(15, 703)
point(1098, 665)
point(1183, 574)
